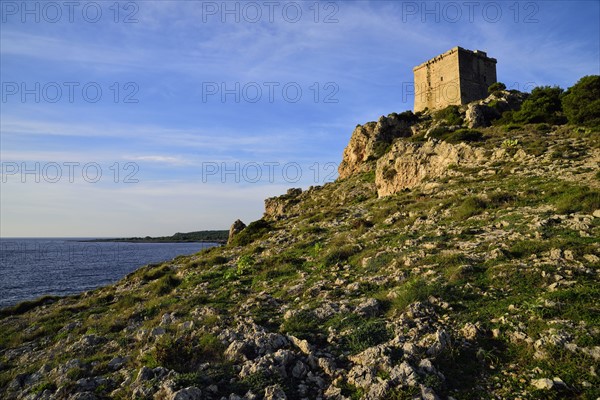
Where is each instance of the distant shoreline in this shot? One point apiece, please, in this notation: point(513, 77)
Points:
point(151, 240)
point(219, 237)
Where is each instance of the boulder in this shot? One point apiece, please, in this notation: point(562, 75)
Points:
point(236, 228)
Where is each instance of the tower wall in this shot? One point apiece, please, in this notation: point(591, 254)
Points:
point(477, 73)
point(455, 77)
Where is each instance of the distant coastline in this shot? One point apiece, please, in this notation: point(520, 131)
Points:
point(214, 236)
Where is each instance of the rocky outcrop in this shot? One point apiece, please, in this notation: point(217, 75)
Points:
point(236, 228)
point(479, 114)
point(369, 141)
point(408, 164)
point(277, 207)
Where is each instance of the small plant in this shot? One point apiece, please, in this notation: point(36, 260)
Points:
point(185, 353)
point(303, 324)
point(510, 143)
point(316, 249)
point(166, 284)
point(258, 381)
point(367, 334)
point(41, 387)
point(244, 264)
point(389, 173)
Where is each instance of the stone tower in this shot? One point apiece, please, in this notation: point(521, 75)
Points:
point(456, 77)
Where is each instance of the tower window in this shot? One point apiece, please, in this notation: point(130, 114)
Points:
point(441, 78)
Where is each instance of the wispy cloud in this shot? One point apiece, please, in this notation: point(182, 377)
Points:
point(173, 49)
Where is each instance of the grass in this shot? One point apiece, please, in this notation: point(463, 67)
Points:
point(303, 325)
point(413, 290)
point(470, 207)
point(578, 199)
point(165, 285)
point(339, 254)
point(437, 250)
point(366, 333)
point(26, 306)
point(187, 352)
point(252, 232)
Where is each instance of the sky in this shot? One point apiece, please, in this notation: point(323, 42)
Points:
point(135, 118)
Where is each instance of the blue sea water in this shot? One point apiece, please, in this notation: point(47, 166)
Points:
point(30, 268)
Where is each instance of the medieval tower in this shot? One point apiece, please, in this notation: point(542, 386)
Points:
point(456, 77)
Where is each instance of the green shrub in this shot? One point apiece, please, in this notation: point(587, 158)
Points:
point(166, 284)
point(470, 206)
point(464, 135)
point(579, 199)
point(438, 132)
point(244, 264)
point(258, 381)
point(303, 324)
point(528, 247)
point(496, 87)
point(340, 254)
point(155, 273)
point(455, 137)
point(379, 149)
point(405, 116)
point(252, 232)
point(450, 115)
point(25, 306)
point(41, 387)
point(366, 334)
point(581, 102)
point(415, 289)
point(542, 106)
point(185, 353)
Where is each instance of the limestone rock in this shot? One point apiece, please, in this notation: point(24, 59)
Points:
point(408, 164)
point(277, 207)
point(543, 383)
point(236, 228)
point(475, 116)
point(189, 393)
point(274, 392)
point(369, 140)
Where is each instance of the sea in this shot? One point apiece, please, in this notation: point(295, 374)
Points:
point(30, 268)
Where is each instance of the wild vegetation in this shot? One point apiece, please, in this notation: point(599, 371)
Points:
point(479, 283)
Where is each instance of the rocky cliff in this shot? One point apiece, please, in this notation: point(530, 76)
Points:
point(443, 264)
point(401, 164)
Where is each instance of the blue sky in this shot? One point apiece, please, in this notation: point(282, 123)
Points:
point(157, 117)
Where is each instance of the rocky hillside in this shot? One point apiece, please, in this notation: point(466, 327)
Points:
point(445, 263)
